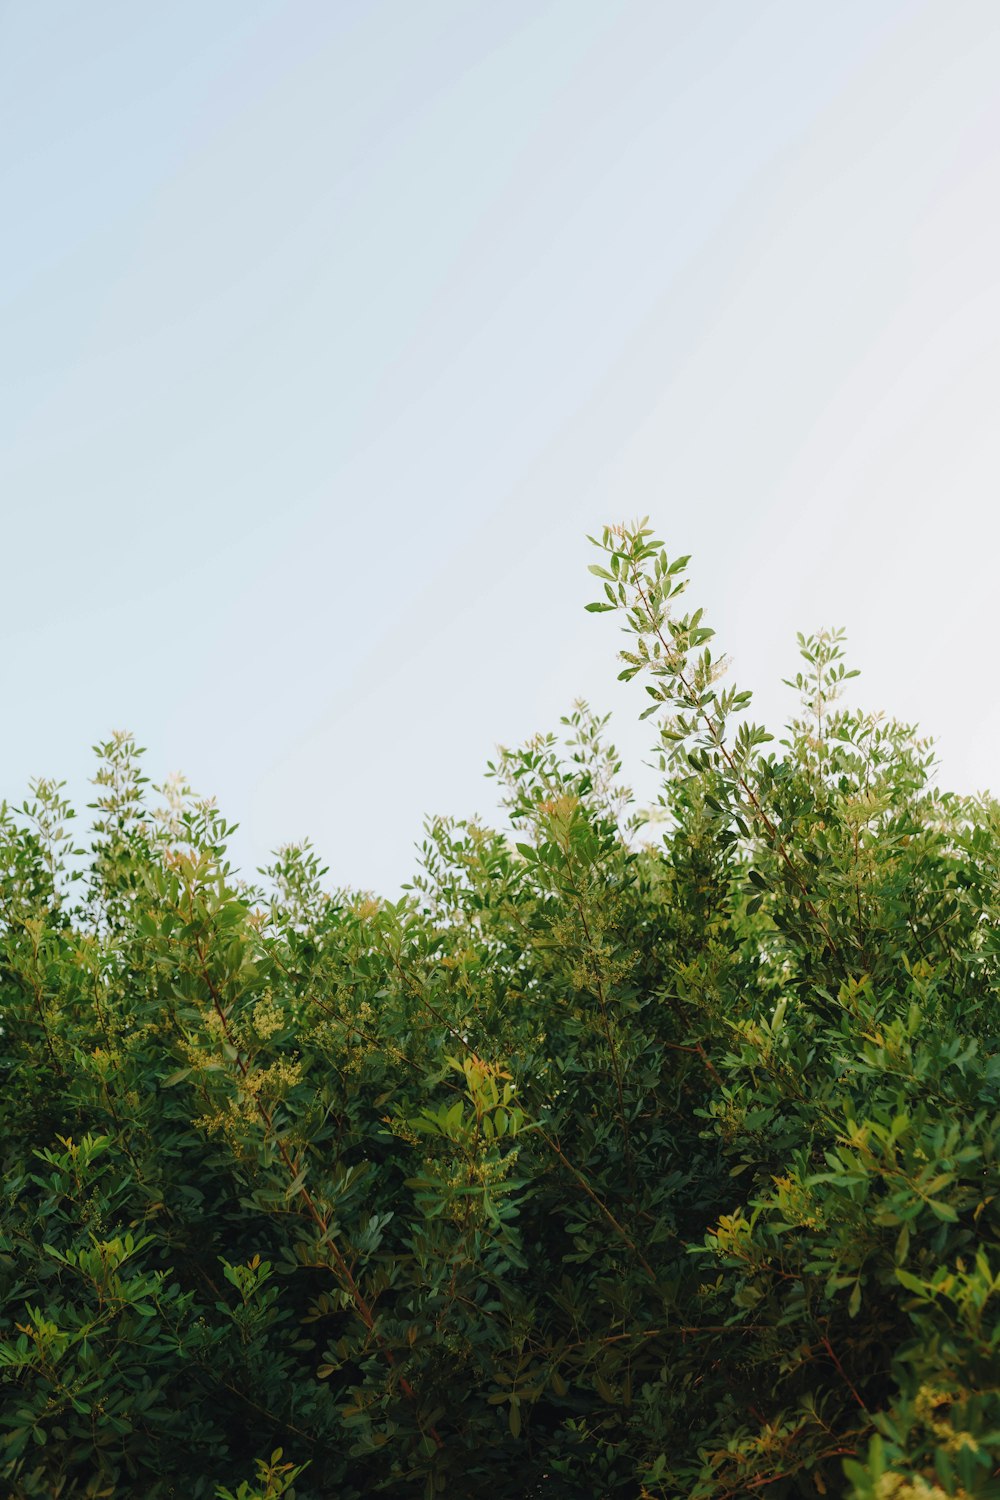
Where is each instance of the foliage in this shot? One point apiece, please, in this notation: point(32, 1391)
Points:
point(590, 1167)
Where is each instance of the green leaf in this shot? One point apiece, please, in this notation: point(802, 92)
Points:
point(176, 1077)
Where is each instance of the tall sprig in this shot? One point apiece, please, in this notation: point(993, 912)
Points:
point(641, 582)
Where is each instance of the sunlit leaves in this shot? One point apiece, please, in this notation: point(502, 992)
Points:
point(639, 1152)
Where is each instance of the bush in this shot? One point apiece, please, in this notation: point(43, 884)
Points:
point(591, 1167)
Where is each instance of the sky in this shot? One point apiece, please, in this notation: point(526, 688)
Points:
point(328, 330)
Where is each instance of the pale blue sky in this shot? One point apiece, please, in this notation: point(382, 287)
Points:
point(328, 329)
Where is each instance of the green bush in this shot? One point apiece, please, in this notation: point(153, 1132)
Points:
point(593, 1166)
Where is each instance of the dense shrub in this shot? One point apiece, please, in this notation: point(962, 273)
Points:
point(592, 1167)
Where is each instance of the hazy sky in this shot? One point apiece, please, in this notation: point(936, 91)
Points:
point(327, 330)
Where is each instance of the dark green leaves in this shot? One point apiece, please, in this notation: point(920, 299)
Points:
point(626, 1152)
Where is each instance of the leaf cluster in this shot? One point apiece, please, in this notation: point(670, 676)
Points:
point(644, 1155)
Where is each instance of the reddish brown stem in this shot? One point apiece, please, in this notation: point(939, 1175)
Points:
point(842, 1373)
